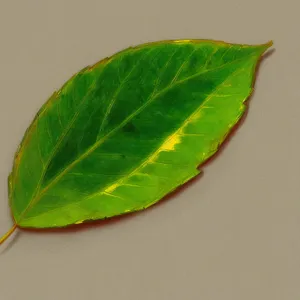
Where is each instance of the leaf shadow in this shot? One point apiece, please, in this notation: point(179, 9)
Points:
point(178, 191)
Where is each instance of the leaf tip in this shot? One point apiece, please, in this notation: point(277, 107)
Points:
point(262, 48)
point(269, 44)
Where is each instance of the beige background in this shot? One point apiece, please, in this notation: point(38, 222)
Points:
point(235, 233)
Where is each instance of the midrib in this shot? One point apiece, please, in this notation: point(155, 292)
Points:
point(152, 155)
point(104, 138)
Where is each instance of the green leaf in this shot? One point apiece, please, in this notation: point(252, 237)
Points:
point(125, 132)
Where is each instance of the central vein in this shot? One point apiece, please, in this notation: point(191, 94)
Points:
point(109, 134)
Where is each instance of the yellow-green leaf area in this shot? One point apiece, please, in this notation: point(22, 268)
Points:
point(121, 134)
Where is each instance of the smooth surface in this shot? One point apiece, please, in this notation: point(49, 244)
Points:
point(234, 233)
point(125, 132)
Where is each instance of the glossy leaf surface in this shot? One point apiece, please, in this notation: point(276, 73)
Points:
point(121, 134)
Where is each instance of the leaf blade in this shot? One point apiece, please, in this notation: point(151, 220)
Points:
point(64, 199)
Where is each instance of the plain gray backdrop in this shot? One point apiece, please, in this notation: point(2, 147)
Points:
point(234, 233)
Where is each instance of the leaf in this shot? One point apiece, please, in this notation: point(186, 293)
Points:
point(125, 132)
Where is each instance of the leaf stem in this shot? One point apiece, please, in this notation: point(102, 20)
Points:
point(8, 234)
